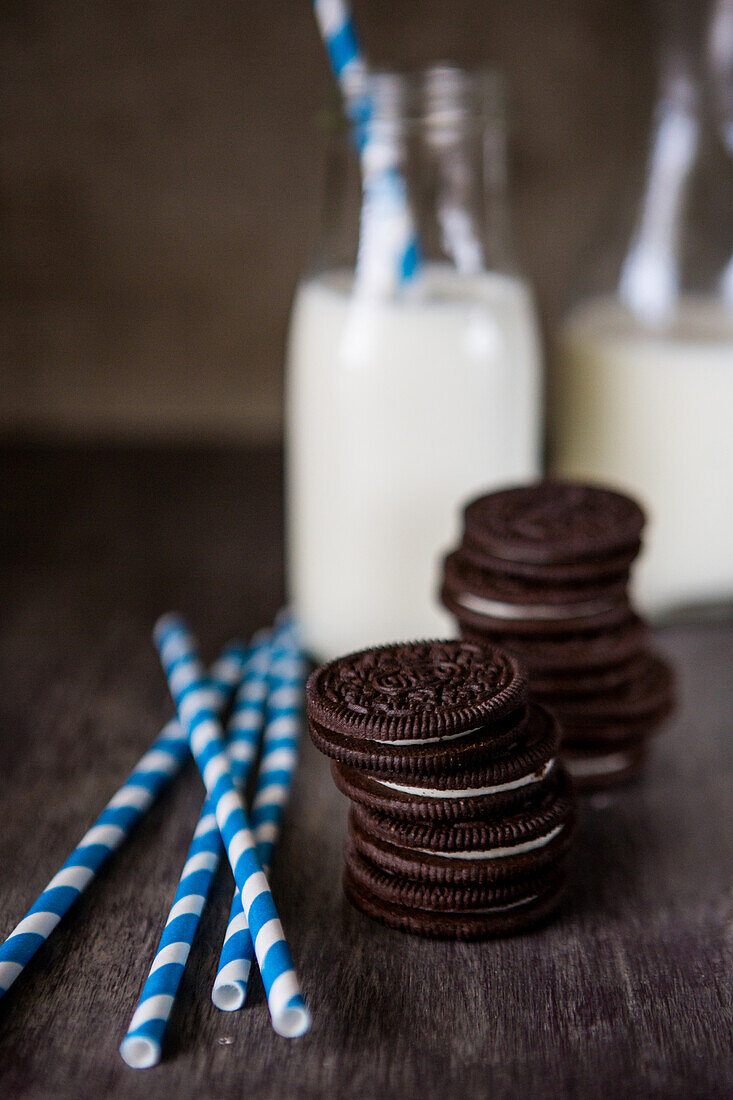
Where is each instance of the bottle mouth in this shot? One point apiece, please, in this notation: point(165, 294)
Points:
point(440, 98)
point(448, 88)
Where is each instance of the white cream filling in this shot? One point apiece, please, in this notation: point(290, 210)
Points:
point(499, 610)
point(598, 765)
point(429, 740)
point(499, 853)
point(482, 912)
point(468, 792)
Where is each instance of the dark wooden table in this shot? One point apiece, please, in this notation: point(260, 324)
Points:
point(627, 994)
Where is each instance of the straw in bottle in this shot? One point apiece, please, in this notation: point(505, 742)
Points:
point(389, 254)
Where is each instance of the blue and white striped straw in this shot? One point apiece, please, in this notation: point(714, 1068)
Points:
point(143, 1044)
point(279, 749)
point(279, 756)
point(154, 770)
point(338, 32)
point(237, 950)
point(389, 253)
point(178, 652)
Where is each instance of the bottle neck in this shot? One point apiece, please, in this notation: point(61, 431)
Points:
point(681, 245)
point(424, 157)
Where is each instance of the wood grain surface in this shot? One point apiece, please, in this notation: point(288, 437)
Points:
point(627, 994)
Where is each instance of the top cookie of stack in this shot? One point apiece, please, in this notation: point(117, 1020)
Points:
point(543, 570)
point(461, 814)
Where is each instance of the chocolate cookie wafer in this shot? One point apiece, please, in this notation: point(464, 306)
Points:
point(613, 566)
point(410, 693)
point(604, 734)
point(494, 786)
point(500, 605)
point(647, 696)
point(503, 849)
point(554, 523)
point(552, 688)
point(497, 919)
point(459, 836)
point(420, 708)
point(428, 756)
point(420, 893)
point(573, 651)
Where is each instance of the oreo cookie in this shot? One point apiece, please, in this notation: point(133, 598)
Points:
point(574, 652)
point(430, 756)
point(494, 786)
point(420, 893)
point(425, 709)
point(614, 566)
point(498, 918)
point(554, 805)
point(505, 849)
point(554, 523)
point(462, 813)
point(558, 687)
point(409, 695)
point(543, 571)
point(646, 697)
point(500, 605)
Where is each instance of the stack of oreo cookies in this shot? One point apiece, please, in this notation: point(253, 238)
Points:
point(461, 814)
point(543, 570)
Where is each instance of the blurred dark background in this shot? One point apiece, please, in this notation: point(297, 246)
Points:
point(160, 177)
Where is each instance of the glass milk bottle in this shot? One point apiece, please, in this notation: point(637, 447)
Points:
point(642, 386)
point(413, 374)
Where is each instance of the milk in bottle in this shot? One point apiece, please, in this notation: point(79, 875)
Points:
point(397, 412)
point(649, 411)
point(642, 385)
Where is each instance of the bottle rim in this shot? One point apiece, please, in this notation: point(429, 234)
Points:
point(442, 97)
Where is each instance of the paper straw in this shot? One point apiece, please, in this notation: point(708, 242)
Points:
point(279, 755)
point(183, 668)
point(143, 1044)
point(339, 36)
point(279, 750)
point(389, 253)
point(159, 764)
point(237, 951)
